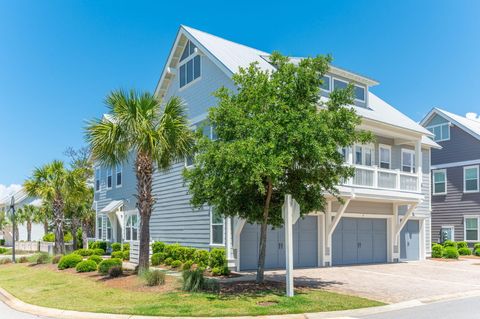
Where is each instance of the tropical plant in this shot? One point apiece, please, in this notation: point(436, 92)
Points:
point(28, 214)
point(274, 136)
point(157, 134)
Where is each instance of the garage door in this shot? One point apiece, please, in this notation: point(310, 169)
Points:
point(359, 241)
point(304, 245)
point(410, 241)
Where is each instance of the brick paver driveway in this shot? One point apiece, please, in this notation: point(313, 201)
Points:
point(394, 282)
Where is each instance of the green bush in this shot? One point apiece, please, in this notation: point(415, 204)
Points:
point(449, 243)
point(477, 252)
point(98, 244)
point(98, 251)
point(83, 252)
point(201, 257)
point(3, 250)
point(462, 244)
point(97, 259)
point(437, 251)
point(157, 259)
point(158, 247)
point(220, 271)
point(86, 266)
point(126, 255)
point(187, 265)
point(172, 251)
point(476, 246)
point(56, 259)
point(2, 242)
point(23, 260)
point(168, 261)
point(67, 237)
point(153, 277)
point(42, 258)
point(464, 251)
point(126, 246)
point(117, 254)
point(218, 259)
point(193, 280)
point(69, 261)
point(106, 264)
point(116, 247)
point(115, 271)
point(450, 252)
point(50, 237)
point(176, 264)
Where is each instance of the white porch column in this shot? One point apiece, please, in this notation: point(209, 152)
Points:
point(228, 244)
point(418, 163)
point(327, 258)
point(394, 236)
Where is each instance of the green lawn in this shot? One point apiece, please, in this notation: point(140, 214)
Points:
point(42, 286)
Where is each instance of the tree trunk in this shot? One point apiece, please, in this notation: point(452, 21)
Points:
point(29, 230)
point(45, 226)
point(263, 234)
point(84, 235)
point(58, 221)
point(74, 233)
point(144, 173)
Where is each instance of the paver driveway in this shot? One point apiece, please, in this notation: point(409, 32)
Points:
point(394, 282)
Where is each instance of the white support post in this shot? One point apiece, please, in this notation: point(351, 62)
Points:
point(405, 219)
point(288, 222)
point(418, 163)
point(375, 176)
point(394, 237)
point(327, 258)
point(236, 239)
point(228, 243)
point(397, 179)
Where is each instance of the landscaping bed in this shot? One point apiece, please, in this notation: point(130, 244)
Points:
point(45, 285)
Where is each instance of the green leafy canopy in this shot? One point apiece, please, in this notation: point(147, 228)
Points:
point(275, 128)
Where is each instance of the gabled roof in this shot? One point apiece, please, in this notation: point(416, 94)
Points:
point(468, 125)
point(19, 196)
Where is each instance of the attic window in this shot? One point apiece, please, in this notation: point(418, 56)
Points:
point(189, 50)
point(189, 65)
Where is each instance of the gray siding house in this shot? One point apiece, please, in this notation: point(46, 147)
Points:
point(386, 214)
point(455, 176)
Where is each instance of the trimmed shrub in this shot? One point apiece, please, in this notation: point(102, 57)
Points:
point(168, 261)
point(97, 259)
point(220, 271)
point(126, 255)
point(476, 246)
point(172, 251)
point(98, 244)
point(450, 252)
point(56, 259)
point(98, 251)
point(218, 258)
point(201, 257)
point(106, 264)
point(86, 266)
point(4, 261)
point(83, 252)
point(23, 260)
point(437, 251)
point(176, 263)
point(2, 242)
point(42, 258)
point(117, 254)
point(477, 252)
point(67, 237)
point(3, 250)
point(157, 259)
point(449, 243)
point(153, 277)
point(158, 247)
point(193, 280)
point(126, 246)
point(116, 247)
point(462, 244)
point(69, 261)
point(464, 251)
point(50, 237)
point(115, 271)
point(187, 265)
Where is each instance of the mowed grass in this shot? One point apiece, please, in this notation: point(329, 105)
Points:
point(42, 286)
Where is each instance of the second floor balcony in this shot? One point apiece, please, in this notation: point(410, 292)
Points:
point(375, 177)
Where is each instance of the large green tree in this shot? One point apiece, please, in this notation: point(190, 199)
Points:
point(275, 137)
point(158, 134)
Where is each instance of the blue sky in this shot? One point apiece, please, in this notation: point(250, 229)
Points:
point(58, 59)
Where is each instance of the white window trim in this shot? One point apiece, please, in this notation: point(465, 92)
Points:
point(332, 81)
point(437, 125)
point(187, 59)
point(384, 146)
point(465, 181)
point(444, 171)
point(100, 227)
point(330, 84)
point(106, 220)
point(116, 176)
point(465, 228)
point(127, 215)
point(211, 230)
point(412, 152)
point(363, 146)
point(109, 171)
point(97, 178)
point(452, 228)
point(364, 94)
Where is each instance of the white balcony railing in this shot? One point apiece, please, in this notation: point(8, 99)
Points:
point(375, 177)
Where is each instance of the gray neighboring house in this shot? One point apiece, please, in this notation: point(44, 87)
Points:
point(455, 176)
point(386, 214)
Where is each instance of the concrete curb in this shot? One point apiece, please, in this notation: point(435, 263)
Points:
point(21, 306)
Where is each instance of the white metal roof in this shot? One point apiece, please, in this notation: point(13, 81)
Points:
point(112, 206)
point(471, 126)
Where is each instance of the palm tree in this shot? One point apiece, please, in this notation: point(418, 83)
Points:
point(157, 134)
point(54, 183)
point(27, 214)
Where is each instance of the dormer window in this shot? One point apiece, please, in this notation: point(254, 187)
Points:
point(190, 68)
point(326, 83)
point(441, 132)
point(359, 91)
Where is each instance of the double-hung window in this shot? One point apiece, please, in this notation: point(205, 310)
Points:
point(471, 228)
point(385, 156)
point(131, 227)
point(441, 132)
point(439, 182)
point(364, 155)
point(99, 227)
point(470, 179)
point(109, 178)
point(97, 179)
point(108, 227)
point(190, 68)
point(359, 93)
point(118, 176)
point(408, 161)
point(217, 228)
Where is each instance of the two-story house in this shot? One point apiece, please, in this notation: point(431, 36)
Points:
point(386, 213)
point(455, 176)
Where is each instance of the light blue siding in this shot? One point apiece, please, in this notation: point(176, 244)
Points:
point(435, 120)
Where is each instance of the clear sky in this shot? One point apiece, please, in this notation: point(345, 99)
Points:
point(58, 59)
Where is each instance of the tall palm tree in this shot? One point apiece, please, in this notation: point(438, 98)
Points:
point(54, 183)
point(27, 214)
point(157, 134)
